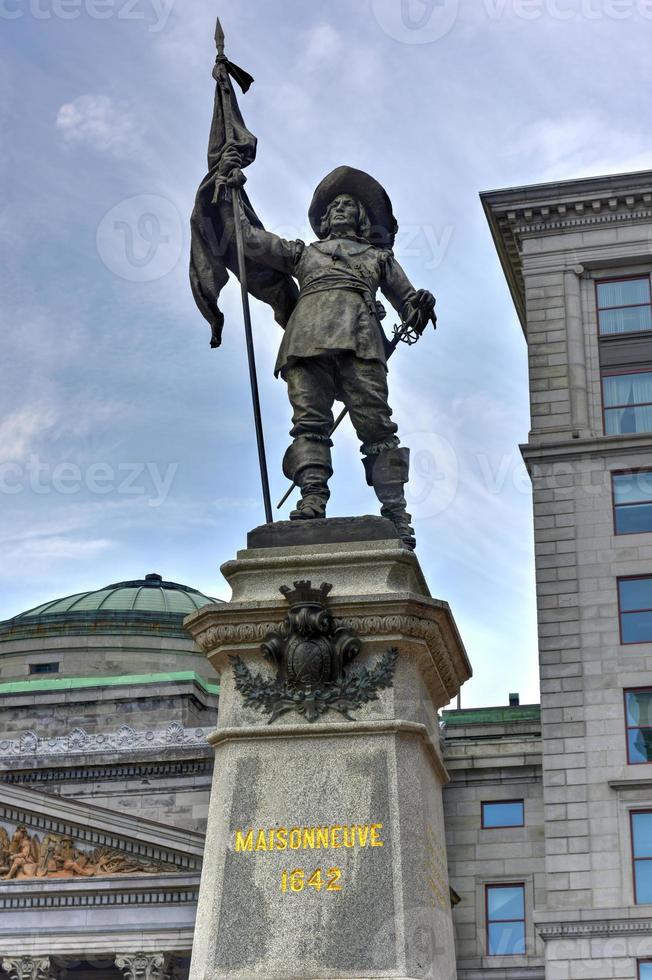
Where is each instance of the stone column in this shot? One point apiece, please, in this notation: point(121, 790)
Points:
point(32, 968)
point(144, 966)
point(325, 854)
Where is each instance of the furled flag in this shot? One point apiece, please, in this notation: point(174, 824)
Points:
point(213, 249)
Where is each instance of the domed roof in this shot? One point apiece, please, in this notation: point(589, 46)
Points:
point(149, 603)
point(150, 594)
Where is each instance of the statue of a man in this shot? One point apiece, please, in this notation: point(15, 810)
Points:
point(334, 346)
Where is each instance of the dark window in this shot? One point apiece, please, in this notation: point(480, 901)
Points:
point(508, 813)
point(627, 400)
point(624, 306)
point(506, 919)
point(44, 668)
point(635, 602)
point(642, 855)
point(632, 495)
point(638, 723)
point(645, 970)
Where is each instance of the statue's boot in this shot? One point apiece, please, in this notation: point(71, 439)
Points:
point(308, 464)
point(387, 473)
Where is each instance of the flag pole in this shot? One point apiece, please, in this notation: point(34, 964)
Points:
point(223, 82)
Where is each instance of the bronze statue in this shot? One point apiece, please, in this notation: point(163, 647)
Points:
point(334, 347)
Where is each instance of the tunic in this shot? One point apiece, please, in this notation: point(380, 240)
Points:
point(338, 280)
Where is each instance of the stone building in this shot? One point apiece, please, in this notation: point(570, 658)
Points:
point(105, 702)
point(558, 883)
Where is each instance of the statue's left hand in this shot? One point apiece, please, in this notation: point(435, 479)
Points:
point(424, 302)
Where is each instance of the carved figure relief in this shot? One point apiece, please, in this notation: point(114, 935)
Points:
point(311, 653)
point(24, 855)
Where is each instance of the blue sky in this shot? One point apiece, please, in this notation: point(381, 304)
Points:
point(126, 444)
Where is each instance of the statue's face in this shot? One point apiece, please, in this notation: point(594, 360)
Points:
point(344, 214)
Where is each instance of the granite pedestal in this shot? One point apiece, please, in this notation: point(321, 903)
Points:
point(325, 854)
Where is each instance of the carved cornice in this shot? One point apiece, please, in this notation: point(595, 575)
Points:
point(52, 894)
point(419, 627)
point(236, 633)
point(599, 927)
point(30, 745)
point(108, 773)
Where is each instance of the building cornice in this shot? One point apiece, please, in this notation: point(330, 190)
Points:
point(517, 213)
point(576, 929)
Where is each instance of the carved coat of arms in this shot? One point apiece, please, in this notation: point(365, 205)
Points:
point(311, 654)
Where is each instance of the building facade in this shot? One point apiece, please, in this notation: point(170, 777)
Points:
point(577, 257)
point(105, 773)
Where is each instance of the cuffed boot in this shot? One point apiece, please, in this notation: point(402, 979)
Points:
point(388, 473)
point(313, 482)
point(308, 464)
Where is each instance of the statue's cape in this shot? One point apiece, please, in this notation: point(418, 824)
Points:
point(213, 250)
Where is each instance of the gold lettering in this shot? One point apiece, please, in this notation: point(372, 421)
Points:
point(281, 839)
point(295, 839)
point(322, 836)
point(243, 843)
point(261, 841)
point(308, 838)
point(335, 836)
point(363, 834)
point(375, 838)
point(349, 836)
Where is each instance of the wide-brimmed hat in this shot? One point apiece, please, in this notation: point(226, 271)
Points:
point(367, 190)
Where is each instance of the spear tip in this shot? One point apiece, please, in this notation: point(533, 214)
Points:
point(219, 37)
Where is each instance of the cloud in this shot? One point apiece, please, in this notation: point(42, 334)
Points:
point(96, 121)
point(580, 145)
point(20, 431)
point(60, 548)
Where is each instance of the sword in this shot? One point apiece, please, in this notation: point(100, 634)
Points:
point(405, 333)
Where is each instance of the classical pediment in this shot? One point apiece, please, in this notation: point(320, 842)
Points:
point(45, 838)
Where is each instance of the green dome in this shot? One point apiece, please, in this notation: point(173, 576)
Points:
point(150, 594)
point(145, 604)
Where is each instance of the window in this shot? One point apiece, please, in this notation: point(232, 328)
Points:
point(635, 602)
point(627, 401)
point(645, 970)
point(624, 306)
point(638, 724)
point(642, 855)
point(506, 919)
point(508, 813)
point(52, 668)
point(632, 496)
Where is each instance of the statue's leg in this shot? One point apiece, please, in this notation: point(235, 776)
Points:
point(307, 462)
point(363, 387)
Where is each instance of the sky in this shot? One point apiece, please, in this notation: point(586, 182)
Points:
point(126, 444)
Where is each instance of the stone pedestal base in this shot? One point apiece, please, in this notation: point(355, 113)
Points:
point(325, 855)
